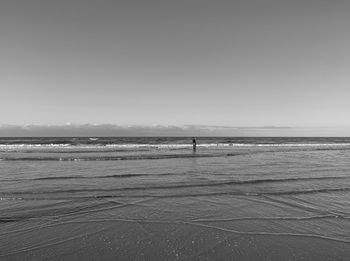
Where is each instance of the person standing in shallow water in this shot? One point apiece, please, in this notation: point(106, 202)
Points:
point(194, 143)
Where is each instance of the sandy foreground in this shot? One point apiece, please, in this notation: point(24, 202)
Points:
point(198, 228)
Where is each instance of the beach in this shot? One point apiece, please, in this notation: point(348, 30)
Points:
point(101, 198)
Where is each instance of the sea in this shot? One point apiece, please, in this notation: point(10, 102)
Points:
point(154, 198)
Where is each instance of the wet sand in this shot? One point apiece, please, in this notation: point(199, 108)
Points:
point(198, 228)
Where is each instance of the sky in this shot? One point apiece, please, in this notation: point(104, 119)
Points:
point(199, 62)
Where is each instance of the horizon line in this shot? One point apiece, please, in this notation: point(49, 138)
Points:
point(4, 125)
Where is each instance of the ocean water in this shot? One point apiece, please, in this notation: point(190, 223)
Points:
point(102, 198)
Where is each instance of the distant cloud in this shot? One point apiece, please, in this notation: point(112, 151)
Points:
point(160, 130)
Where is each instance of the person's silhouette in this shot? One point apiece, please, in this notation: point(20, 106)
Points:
point(194, 143)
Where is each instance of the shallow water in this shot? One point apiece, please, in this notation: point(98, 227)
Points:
point(154, 199)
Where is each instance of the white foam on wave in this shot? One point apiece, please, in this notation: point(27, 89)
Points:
point(287, 144)
point(33, 145)
point(187, 145)
point(12, 147)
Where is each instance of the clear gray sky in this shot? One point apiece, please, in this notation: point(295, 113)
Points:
point(232, 63)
